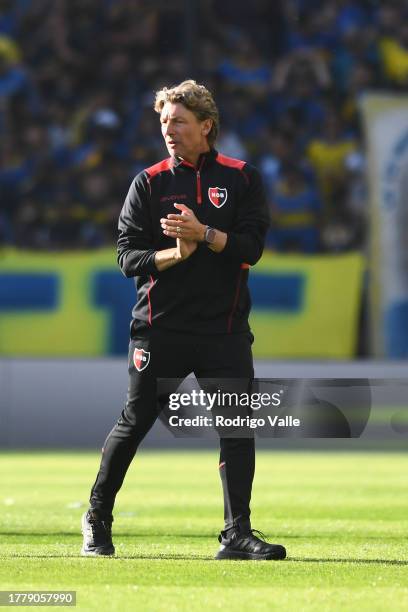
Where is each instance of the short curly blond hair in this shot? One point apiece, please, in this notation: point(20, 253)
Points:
point(196, 98)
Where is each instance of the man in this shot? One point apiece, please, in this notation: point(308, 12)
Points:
point(192, 304)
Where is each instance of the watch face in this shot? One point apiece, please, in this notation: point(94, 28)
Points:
point(210, 235)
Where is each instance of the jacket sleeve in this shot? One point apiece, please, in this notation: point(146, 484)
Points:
point(135, 243)
point(246, 239)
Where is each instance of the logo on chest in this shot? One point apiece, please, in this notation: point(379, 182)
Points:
point(217, 196)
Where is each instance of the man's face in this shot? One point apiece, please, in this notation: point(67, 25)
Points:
point(184, 134)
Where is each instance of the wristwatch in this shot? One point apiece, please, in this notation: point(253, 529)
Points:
point(209, 235)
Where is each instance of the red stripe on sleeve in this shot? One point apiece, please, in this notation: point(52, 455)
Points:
point(235, 302)
point(149, 300)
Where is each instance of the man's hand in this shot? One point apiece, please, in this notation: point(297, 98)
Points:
point(185, 225)
point(185, 248)
point(170, 257)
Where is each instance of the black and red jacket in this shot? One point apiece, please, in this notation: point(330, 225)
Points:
point(208, 292)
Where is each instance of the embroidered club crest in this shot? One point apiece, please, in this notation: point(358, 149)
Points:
point(141, 359)
point(217, 196)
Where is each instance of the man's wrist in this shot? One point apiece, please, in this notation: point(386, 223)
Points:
point(218, 242)
point(210, 235)
point(167, 258)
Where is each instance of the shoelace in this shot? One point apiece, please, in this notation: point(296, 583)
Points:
point(263, 536)
point(248, 542)
point(254, 532)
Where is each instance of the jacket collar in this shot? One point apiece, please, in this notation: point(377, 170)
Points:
point(204, 158)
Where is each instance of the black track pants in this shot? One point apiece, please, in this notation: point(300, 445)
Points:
point(174, 355)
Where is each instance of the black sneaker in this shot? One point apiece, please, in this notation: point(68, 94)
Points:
point(248, 546)
point(97, 532)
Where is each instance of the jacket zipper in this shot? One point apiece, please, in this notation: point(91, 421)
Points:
point(198, 175)
point(198, 178)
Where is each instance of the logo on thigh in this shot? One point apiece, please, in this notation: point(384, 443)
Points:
point(141, 359)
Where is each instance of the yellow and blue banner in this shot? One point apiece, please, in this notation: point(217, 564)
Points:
point(78, 304)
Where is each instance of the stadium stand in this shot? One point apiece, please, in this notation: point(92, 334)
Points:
point(76, 88)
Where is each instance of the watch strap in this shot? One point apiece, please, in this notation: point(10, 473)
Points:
point(209, 235)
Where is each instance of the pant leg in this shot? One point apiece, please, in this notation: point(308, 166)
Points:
point(163, 357)
point(237, 470)
point(230, 356)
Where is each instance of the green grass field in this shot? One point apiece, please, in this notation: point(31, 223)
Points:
point(343, 518)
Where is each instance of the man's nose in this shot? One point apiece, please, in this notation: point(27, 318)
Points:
point(169, 129)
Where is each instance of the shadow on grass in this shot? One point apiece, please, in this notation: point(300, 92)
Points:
point(173, 557)
point(190, 536)
point(117, 534)
point(158, 557)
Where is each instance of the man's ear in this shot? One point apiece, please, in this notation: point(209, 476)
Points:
point(207, 125)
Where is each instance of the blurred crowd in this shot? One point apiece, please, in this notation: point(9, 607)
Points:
point(77, 81)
